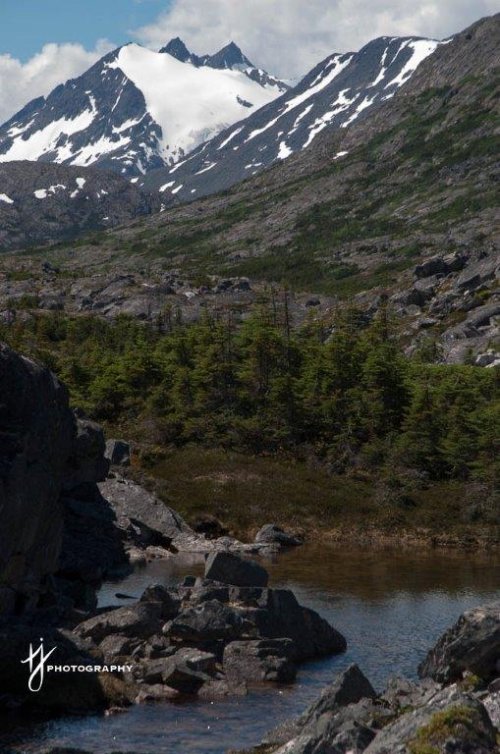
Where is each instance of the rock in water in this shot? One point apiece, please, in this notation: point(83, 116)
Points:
point(260, 660)
point(472, 644)
point(231, 569)
point(141, 620)
point(208, 621)
point(338, 721)
point(348, 688)
point(274, 535)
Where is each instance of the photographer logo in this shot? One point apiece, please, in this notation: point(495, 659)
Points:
point(38, 668)
point(37, 660)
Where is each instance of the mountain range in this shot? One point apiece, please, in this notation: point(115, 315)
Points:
point(197, 124)
point(401, 204)
point(339, 91)
point(408, 214)
point(136, 110)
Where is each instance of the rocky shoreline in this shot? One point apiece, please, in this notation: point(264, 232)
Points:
point(72, 519)
point(80, 523)
point(453, 709)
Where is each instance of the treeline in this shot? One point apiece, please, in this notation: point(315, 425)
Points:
point(343, 393)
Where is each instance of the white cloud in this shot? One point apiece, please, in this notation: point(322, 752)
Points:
point(288, 37)
point(53, 65)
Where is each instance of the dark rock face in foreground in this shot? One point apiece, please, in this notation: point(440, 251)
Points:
point(57, 536)
point(37, 428)
point(45, 453)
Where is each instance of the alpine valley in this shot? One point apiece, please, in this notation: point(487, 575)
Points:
point(381, 181)
point(250, 406)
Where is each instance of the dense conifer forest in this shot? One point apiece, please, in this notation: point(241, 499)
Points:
point(342, 392)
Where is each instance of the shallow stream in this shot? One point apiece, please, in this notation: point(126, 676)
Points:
point(391, 606)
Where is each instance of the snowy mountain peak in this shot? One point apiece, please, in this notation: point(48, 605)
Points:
point(135, 110)
point(230, 56)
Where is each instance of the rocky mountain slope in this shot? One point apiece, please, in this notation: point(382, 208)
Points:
point(408, 211)
point(358, 213)
point(42, 203)
point(337, 92)
point(136, 110)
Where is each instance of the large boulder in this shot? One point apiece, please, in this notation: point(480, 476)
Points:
point(432, 266)
point(178, 674)
point(208, 621)
point(118, 452)
point(472, 644)
point(168, 599)
point(141, 620)
point(276, 613)
point(185, 671)
point(479, 272)
point(145, 517)
point(340, 733)
point(272, 534)
point(344, 713)
point(349, 687)
point(231, 569)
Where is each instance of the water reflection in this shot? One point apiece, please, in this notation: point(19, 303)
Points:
point(390, 605)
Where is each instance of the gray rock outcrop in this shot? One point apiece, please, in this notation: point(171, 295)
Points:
point(118, 452)
point(272, 534)
point(471, 645)
point(451, 721)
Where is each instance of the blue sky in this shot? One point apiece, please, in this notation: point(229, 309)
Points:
point(26, 25)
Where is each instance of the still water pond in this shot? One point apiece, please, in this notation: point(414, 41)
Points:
point(390, 606)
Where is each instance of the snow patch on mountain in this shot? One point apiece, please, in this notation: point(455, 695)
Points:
point(47, 139)
point(190, 104)
point(421, 49)
point(332, 70)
